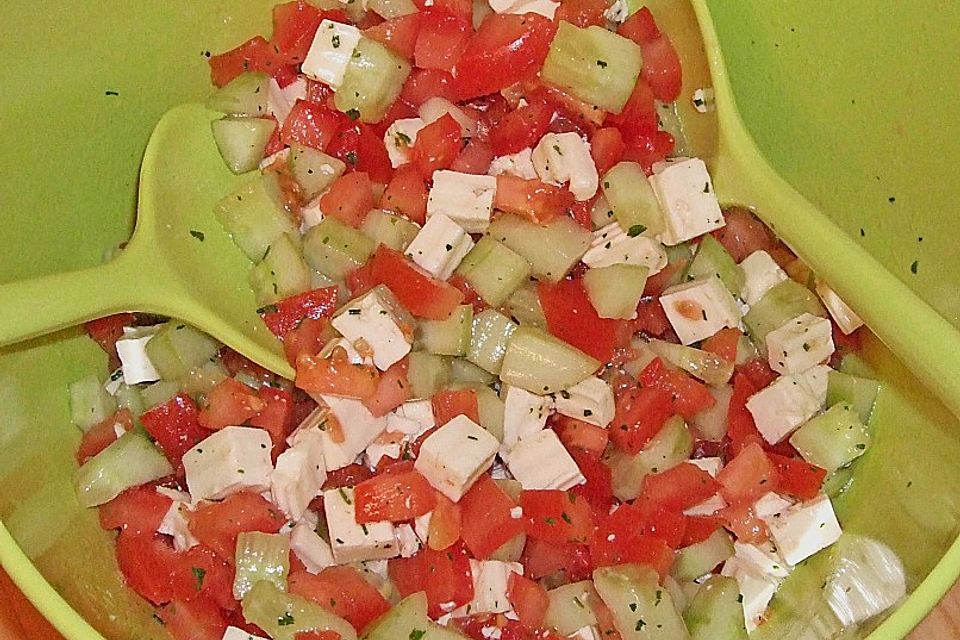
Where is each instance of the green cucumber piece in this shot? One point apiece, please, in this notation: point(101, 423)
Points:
point(857, 392)
point(785, 301)
point(130, 398)
point(551, 250)
point(200, 380)
point(260, 556)
point(489, 336)
point(702, 557)
point(715, 613)
point(158, 393)
point(462, 371)
point(177, 348)
point(245, 95)
point(711, 259)
point(387, 9)
point(632, 199)
point(594, 64)
point(571, 607)
point(335, 249)
point(641, 608)
point(427, 373)
point(524, 307)
point(408, 620)
point(708, 367)
point(314, 170)
point(615, 291)
point(242, 141)
point(284, 615)
point(494, 271)
point(372, 82)
point(711, 423)
point(670, 447)
point(253, 217)
point(833, 439)
point(90, 403)
point(129, 461)
point(388, 229)
point(541, 363)
point(281, 274)
point(450, 337)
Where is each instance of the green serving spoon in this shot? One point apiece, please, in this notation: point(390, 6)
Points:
point(178, 263)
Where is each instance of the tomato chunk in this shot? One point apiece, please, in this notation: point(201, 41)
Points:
point(437, 146)
point(193, 618)
point(450, 403)
point(103, 434)
point(538, 201)
point(679, 487)
point(393, 497)
point(256, 54)
point(336, 375)
point(529, 600)
point(406, 194)
point(690, 397)
point(441, 40)
point(572, 318)
point(229, 402)
point(444, 576)
point(422, 295)
point(399, 34)
point(748, 476)
point(641, 413)
point(286, 315)
point(311, 125)
point(106, 331)
point(174, 426)
point(488, 522)
point(798, 478)
point(343, 591)
point(218, 524)
point(137, 510)
point(294, 26)
point(349, 198)
point(557, 516)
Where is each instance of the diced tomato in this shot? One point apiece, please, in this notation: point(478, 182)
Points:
point(758, 371)
point(487, 520)
point(103, 434)
point(661, 69)
point(336, 375)
point(392, 390)
point(393, 497)
point(582, 13)
point(576, 434)
point(573, 114)
point(630, 534)
point(284, 316)
point(256, 54)
point(641, 27)
point(598, 489)
point(450, 403)
point(641, 413)
point(572, 318)
point(742, 521)
point(743, 234)
point(294, 26)
point(406, 193)
point(145, 561)
point(217, 524)
point(307, 338)
point(348, 476)
point(475, 158)
point(538, 201)
point(651, 318)
point(106, 331)
point(606, 148)
point(361, 148)
point(399, 34)
point(421, 294)
point(557, 517)
point(446, 524)
point(343, 591)
point(798, 478)
point(423, 84)
point(442, 39)
point(229, 402)
point(679, 487)
point(637, 121)
point(649, 151)
point(741, 429)
point(137, 510)
point(724, 343)
point(699, 528)
point(195, 618)
point(276, 417)
point(748, 476)
point(349, 198)
point(541, 558)
point(480, 626)
point(174, 426)
point(444, 576)
point(529, 600)
point(437, 146)
point(506, 49)
point(311, 125)
point(460, 8)
point(205, 572)
point(521, 128)
point(690, 397)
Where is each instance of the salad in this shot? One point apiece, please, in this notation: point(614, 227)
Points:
point(546, 387)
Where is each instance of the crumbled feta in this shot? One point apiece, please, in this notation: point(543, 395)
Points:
point(708, 507)
point(453, 475)
point(612, 245)
point(818, 378)
point(352, 542)
point(845, 317)
point(764, 557)
point(711, 465)
point(703, 99)
point(524, 414)
point(565, 157)
point(784, 405)
point(310, 215)
point(132, 350)
point(278, 105)
point(299, 473)
point(805, 528)
point(235, 633)
point(618, 12)
point(410, 543)
point(421, 526)
point(464, 198)
point(175, 522)
point(756, 589)
point(386, 446)
point(540, 461)
point(435, 108)
point(113, 384)
point(761, 273)
point(412, 418)
point(518, 164)
point(230, 460)
point(590, 401)
point(440, 246)
point(490, 579)
point(699, 308)
point(330, 53)
point(399, 138)
point(770, 504)
point(296, 90)
point(685, 193)
point(357, 429)
point(312, 550)
point(380, 322)
point(799, 344)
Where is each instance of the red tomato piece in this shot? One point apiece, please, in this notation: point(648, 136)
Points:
point(217, 524)
point(641, 413)
point(392, 390)
point(487, 521)
point(336, 375)
point(423, 84)
point(311, 125)
point(106, 331)
point(343, 591)
point(506, 49)
point(406, 194)
point(748, 476)
point(637, 121)
point(724, 343)
point(399, 34)
point(146, 561)
point(475, 158)
point(349, 198)
point(538, 201)
point(699, 528)
point(444, 575)
point(690, 397)
point(195, 618)
point(348, 476)
point(661, 69)
point(640, 27)
point(529, 600)
point(742, 521)
point(361, 148)
point(798, 478)
point(758, 371)
point(294, 26)
point(229, 402)
point(598, 489)
point(679, 487)
point(450, 403)
point(743, 234)
point(256, 54)
point(442, 39)
point(276, 417)
point(393, 497)
point(626, 548)
point(446, 524)
point(541, 558)
point(582, 13)
point(307, 338)
point(103, 434)
point(174, 426)
point(460, 8)
point(521, 128)
point(201, 570)
point(286, 315)
point(478, 626)
point(557, 517)
point(317, 635)
point(437, 146)
point(572, 318)
point(741, 429)
point(651, 318)
point(585, 437)
point(138, 510)
point(421, 294)
point(606, 148)
point(649, 151)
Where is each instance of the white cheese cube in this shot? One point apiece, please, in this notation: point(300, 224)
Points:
point(310, 215)
point(541, 462)
point(612, 245)
point(756, 589)
point(518, 164)
point(435, 108)
point(708, 507)
point(299, 474)
point(783, 406)
point(440, 246)
point(412, 418)
point(410, 544)
point(278, 105)
point(546, 8)
point(804, 529)
point(399, 138)
point(228, 461)
point(421, 526)
point(842, 314)
point(381, 448)
point(703, 99)
point(618, 12)
point(686, 197)
point(377, 319)
point(524, 415)
point(352, 542)
point(490, 578)
point(132, 350)
point(454, 456)
point(565, 157)
point(764, 557)
point(312, 550)
point(711, 465)
point(175, 522)
point(818, 378)
point(464, 198)
point(235, 633)
point(698, 309)
point(770, 504)
point(761, 273)
point(296, 90)
point(590, 401)
point(358, 427)
point(801, 343)
point(330, 53)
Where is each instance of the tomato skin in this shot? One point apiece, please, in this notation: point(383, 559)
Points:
point(741, 430)
point(535, 200)
point(256, 54)
point(103, 434)
point(307, 338)
point(437, 146)
point(217, 524)
point(450, 403)
point(194, 618)
point(442, 39)
point(294, 26)
point(558, 517)
point(336, 375)
point(521, 128)
point(541, 558)
point(572, 318)
point(640, 27)
point(138, 510)
point(632, 536)
point(576, 434)
point(582, 13)
point(106, 331)
point(406, 194)
point(229, 402)
point(399, 34)
point(724, 343)
point(641, 413)
point(348, 476)
point(743, 234)
point(287, 314)
point(679, 487)
point(690, 397)
point(699, 528)
point(393, 497)
point(529, 600)
point(637, 121)
point(392, 390)
point(361, 148)
point(748, 476)
point(276, 417)
point(424, 84)
point(798, 478)
point(651, 319)
point(742, 521)
point(598, 489)
point(606, 148)
point(444, 576)
point(421, 294)
point(311, 125)
point(174, 426)
point(343, 591)
point(349, 199)
point(487, 521)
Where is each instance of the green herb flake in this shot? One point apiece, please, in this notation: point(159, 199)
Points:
point(602, 64)
point(417, 634)
point(198, 575)
point(640, 625)
point(351, 156)
point(353, 114)
point(914, 267)
point(636, 230)
point(566, 518)
point(285, 620)
point(197, 234)
point(335, 41)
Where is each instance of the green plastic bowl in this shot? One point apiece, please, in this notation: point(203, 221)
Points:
point(853, 103)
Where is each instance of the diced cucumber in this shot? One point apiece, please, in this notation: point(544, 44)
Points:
point(571, 607)
point(711, 423)
point(408, 620)
point(833, 439)
point(715, 612)
point(682, 593)
point(641, 608)
point(281, 274)
point(242, 141)
point(388, 229)
point(867, 579)
point(551, 250)
point(334, 249)
point(245, 95)
point(314, 170)
point(701, 364)
point(158, 393)
point(859, 393)
point(177, 348)
point(524, 307)
point(253, 218)
point(129, 398)
point(541, 363)
point(511, 550)
point(450, 337)
point(702, 557)
point(671, 446)
point(783, 302)
point(372, 81)
point(594, 64)
point(489, 336)
point(711, 259)
point(387, 9)
point(129, 461)
point(201, 379)
point(601, 214)
point(615, 291)
point(490, 410)
point(427, 373)
point(260, 556)
point(464, 371)
point(284, 615)
point(837, 482)
point(494, 271)
point(632, 199)
point(89, 402)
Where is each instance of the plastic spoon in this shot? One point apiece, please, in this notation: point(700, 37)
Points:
point(178, 263)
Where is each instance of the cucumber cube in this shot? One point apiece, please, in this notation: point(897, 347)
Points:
point(833, 439)
point(334, 249)
point(245, 95)
point(641, 608)
point(427, 373)
point(712, 260)
point(715, 613)
point(783, 302)
point(631, 198)
point(388, 229)
point(281, 274)
point(129, 461)
point(177, 348)
point(242, 141)
point(283, 616)
point(372, 82)
point(89, 402)
point(615, 291)
point(671, 446)
point(488, 340)
point(494, 271)
point(551, 250)
point(314, 170)
point(540, 363)
point(253, 218)
point(449, 337)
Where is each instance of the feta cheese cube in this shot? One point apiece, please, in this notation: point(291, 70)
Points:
point(377, 319)
point(299, 473)
point(618, 12)
point(541, 462)
point(132, 350)
point(781, 407)
point(454, 456)
point(799, 344)
point(358, 427)
point(399, 138)
point(761, 273)
point(524, 414)
point(711, 465)
point(770, 504)
point(708, 507)
point(235, 633)
point(518, 164)
point(330, 53)
point(352, 542)
point(764, 558)
point(818, 378)
point(842, 314)
point(464, 198)
point(389, 445)
point(410, 544)
point(685, 192)
point(440, 246)
point(296, 90)
point(312, 550)
point(703, 99)
point(805, 528)
point(435, 108)
point(590, 401)
point(175, 521)
point(756, 589)
point(278, 105)
point(310, 215)
point(421, 526)
point(412, 418)
point(698, 309)
point(490, 578)
point(547, 8)
point(612, 245)
point(565, 157)
point(230, 460)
